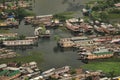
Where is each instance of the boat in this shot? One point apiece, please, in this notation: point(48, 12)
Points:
point(98, 53)
point(18, 42)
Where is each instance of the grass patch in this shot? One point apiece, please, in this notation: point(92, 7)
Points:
point(67, 13)
point(63, 28)
point(32, 56)
point(114, 16)
point(4, 31)
point(57, 37)
point(63, 16)
point(104, 66)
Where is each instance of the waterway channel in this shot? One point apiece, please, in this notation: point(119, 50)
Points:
point(51, 55)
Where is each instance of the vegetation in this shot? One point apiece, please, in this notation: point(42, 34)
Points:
point(57, 37)
point(20, 12)
point(31, 56)
point(43, 29)
point(72, 71)
point(103, 10)
point(4, 31)
point(63, 28)
point(21, 37)
point(63, 16)
point(107, 67)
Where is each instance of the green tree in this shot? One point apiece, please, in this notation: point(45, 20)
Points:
point(111, 74)
point(21, 37)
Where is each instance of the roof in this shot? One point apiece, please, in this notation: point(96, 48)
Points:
point(11, 16)
point(32, 63)
point(41, 16)
point(115, 40)
point(66, 68)
point(102, 53)
point(48, 71)
point(78, 38)
point(14, 73)
point(3, 72)
point(3, 65)
point(37, 78)
point(117, 5)
point(12, 68)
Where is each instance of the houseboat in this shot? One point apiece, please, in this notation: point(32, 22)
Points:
point(18, 42)
point(74, 41)
point(62, 70)
point(13, 71)
point(5, 53)
point(98, 29)
point(73, 27)
point(77, 25)
point(7, 36)
point(28, 19)
point(48, 73)
point(9, 23)
point(34, 38)
point(44, 19)
point(98, 53)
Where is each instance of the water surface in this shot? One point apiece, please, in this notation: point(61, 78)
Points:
point(53, 57)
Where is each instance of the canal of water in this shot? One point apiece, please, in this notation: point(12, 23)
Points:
point(51, 55)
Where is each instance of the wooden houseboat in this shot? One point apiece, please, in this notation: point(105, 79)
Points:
point(18, 42)
point(74, 41)
point(9, 23)
point(77, 25)
point(72, 27)
point(5, 53)
point(7, 36)
point(98, 29)
point(44, 19)
point(97, 54)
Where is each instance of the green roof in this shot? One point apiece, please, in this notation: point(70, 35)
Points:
point(102, 53)
point(3, 72)
point(14, 73)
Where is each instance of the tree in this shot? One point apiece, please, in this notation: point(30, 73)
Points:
point(103, 16)
point(21, 37)
point(111, 74)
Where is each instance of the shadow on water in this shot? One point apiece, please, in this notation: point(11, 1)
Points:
point(21, 48)
point(57, 49)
